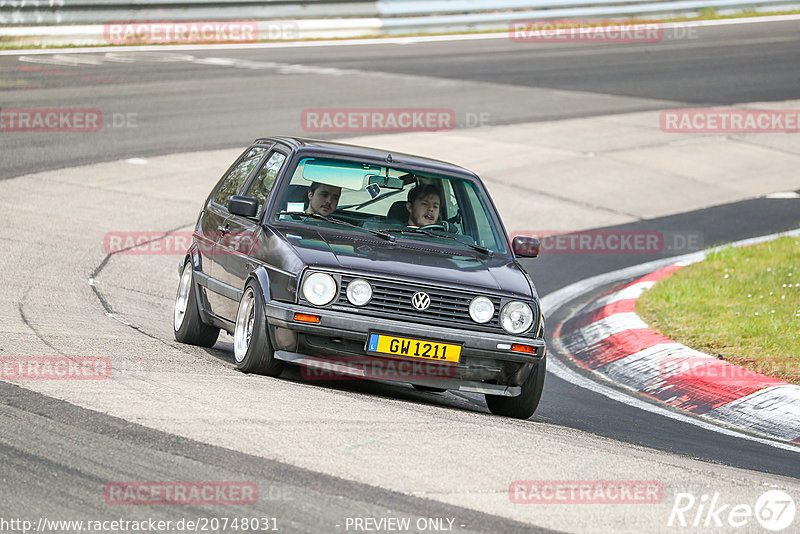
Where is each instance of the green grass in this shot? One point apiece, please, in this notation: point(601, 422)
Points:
point(740, 305)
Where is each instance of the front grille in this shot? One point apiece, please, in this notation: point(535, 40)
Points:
point(393, 299)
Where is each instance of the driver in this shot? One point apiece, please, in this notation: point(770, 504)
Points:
point(323, 198)
point(423, 205)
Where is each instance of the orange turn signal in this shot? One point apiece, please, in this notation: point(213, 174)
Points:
point(523, 348)
point(306, 318)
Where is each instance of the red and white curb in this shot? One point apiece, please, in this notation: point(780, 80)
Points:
point(607, 337)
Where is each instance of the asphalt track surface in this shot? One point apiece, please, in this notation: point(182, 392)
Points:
point(57, 453)
point(196, 100)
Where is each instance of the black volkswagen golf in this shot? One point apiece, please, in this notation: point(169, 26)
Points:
point(354, 262)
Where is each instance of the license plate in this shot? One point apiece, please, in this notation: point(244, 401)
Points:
point(414, 348)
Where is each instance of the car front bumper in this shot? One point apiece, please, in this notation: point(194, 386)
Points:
point(337, 346)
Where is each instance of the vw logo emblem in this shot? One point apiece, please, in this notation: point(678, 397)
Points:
point(421, 301)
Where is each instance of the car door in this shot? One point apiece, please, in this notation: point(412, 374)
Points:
point(218, 294)
point(234, 250)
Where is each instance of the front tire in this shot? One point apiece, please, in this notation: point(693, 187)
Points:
point(187, 324)
point(252, 349)
point(522, 406)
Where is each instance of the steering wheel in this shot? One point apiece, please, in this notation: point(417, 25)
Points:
point(291, 216)
point(440, 226)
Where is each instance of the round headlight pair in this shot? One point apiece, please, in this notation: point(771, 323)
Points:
point(515, 317)
point(320, 289)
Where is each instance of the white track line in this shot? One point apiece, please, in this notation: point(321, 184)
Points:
point(558, 298)
point(558, 368)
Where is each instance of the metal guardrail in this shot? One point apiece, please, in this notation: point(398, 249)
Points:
point(394, 8)
point(47, 12)
point(549, 9)
point(374, 16)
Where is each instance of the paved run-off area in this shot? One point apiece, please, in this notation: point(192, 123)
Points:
point(560, 175)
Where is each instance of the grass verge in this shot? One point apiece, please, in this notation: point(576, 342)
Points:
point(740, 305)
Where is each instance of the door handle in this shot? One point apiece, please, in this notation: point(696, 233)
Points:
point(224, 229)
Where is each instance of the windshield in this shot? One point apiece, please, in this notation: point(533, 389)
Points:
point(390, 199)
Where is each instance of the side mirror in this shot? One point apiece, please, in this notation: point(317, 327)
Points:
point(526, 247)
point(244, 206)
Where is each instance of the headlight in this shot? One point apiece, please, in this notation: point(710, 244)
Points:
point(516, 317)
point(481, 310)
point(319, 289)
point(359, 292)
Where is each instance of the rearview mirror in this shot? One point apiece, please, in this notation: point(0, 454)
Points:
point(526, 247)
point(337, 173)
point(385, 182)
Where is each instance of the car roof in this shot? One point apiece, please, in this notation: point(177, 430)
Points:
point(374, 155)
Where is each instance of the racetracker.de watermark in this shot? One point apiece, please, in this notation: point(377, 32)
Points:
point(163, 32)
point(146, 493)
point(714, 369)
point(359, 367)
point(69, 120)
point(377, 120)
point(594, 31)
point(50, 120)
point(585, 492)
point(55, 368)
point(614, 241)
point(150, 243)
point(730, 121)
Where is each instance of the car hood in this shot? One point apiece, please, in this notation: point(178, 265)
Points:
point(425, 261)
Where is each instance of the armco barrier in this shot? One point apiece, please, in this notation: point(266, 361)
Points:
point(334, 18)
point(26, 12)
point(395, 8)
point(101, 11)
point(407, 16)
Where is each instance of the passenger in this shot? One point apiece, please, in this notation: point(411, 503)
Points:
point(423, 205)
point(323, 198)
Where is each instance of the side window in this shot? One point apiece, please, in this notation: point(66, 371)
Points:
point(487, 234)
point(265, 179)
point(235, 179)
point(450, 205)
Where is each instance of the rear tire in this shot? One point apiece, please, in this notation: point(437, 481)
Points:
point(522, 406)
point(252, 349)
point(187, 324)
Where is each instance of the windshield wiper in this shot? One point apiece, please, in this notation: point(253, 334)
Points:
point(479, 248)
point(378, 233)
